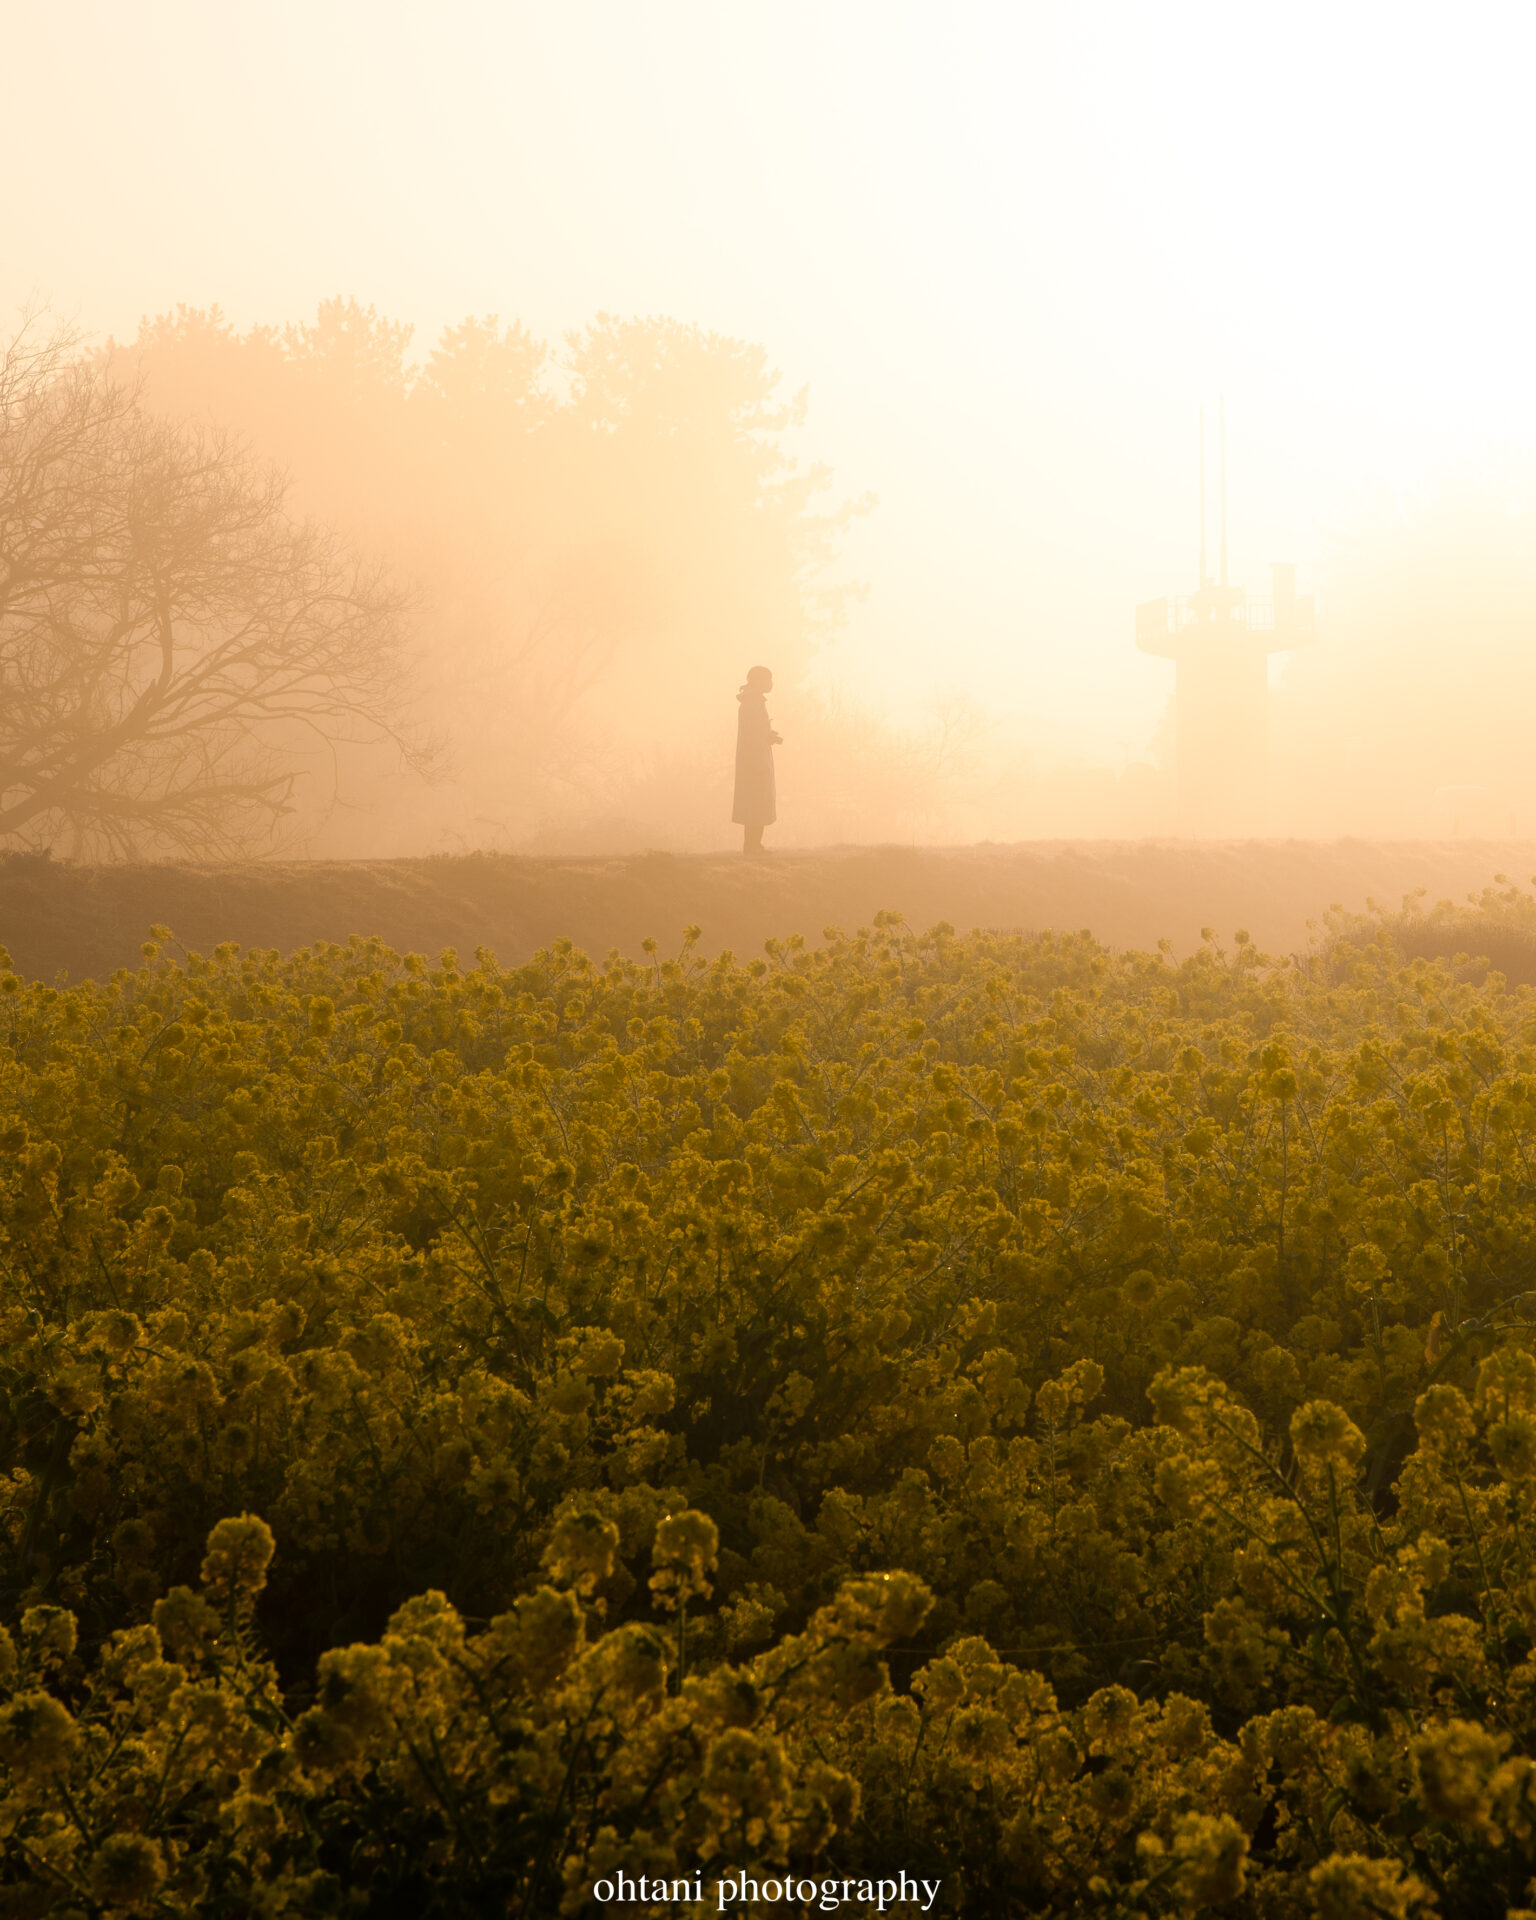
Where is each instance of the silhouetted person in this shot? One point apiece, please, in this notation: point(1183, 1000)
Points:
point(755, 741)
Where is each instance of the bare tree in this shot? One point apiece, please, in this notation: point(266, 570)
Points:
point(172, 642)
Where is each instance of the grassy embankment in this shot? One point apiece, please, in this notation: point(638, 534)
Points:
point(89, 921)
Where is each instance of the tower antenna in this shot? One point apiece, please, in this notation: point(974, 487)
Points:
point(1222, 404)
point(1219, 638)
point(1203, 575)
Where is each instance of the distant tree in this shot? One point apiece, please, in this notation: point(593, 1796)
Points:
point(601, 537)
point(694, 429)
point(354, 350)
point(173, 644)
point(483, 381)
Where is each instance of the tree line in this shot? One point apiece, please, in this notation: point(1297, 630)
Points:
point(243, 575)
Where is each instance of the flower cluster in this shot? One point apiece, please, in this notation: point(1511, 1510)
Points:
point(1062, 1423)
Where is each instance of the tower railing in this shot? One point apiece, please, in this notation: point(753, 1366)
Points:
point(1177, 613)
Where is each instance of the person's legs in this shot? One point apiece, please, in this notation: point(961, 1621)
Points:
point(752, 839)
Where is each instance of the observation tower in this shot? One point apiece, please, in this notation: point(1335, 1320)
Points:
point(1220, 640)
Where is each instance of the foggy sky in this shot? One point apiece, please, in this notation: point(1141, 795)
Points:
point(1010, 248)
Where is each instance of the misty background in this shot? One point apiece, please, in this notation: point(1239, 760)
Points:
point(868, 342)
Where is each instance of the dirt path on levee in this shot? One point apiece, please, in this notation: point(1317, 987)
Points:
point(57, 919)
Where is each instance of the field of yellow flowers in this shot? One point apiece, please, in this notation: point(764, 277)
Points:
point(1054, 1423)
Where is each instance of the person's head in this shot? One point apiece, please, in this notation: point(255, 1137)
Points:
point(760, 679)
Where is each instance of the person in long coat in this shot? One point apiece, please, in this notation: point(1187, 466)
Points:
point(754, 806)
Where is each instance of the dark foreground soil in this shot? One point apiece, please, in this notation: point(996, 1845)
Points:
point(78, 921)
